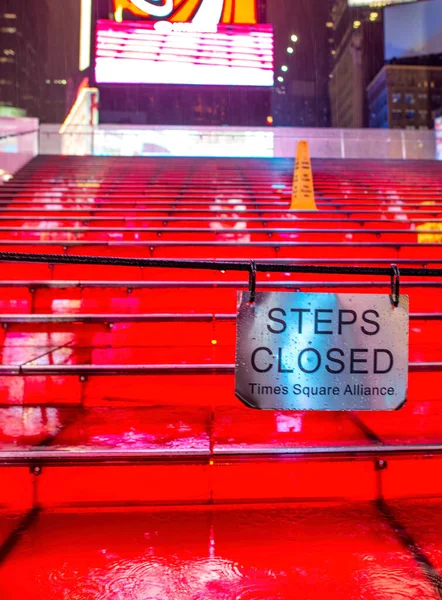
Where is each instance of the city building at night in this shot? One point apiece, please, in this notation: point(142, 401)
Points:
point(61, 61)
point(405, 96)
point(357, 55)
point(407, 91)
point(300, 96)
point(53, 109)
point(22, 55)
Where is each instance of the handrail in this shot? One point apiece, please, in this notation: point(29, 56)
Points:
point(21, 318)
point(150, 245)
point(199, 199)
point(109, 319)
point(341, 260)
point(200, 230)
point(85, 370)
point(86, 219)
point(78, 209)
point(54, 456)
point(142, 284)
point(209, 205)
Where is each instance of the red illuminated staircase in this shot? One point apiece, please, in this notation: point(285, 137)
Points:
point(116, 385)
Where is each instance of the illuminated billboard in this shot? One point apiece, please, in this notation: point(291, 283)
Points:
point(183, 53)
point(240, 12)
point(413, 30)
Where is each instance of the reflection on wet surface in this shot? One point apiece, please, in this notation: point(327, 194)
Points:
point(248, 553)
point(335, 550)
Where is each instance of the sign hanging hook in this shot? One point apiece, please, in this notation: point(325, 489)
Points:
point(395, 285)
point(252, 282)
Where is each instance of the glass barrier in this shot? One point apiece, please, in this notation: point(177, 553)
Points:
point(127, 140)
point(18, 144)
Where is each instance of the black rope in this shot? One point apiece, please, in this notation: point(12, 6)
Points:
point(211, 265)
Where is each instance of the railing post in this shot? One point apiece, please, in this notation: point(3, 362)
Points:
point(404, 146)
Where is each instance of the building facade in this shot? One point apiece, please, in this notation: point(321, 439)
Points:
point(405, 96)
point(61, 65)
point(357, 54)
point(300, 96)
point(23, 44)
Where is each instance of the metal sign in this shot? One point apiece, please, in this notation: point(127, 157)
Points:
point(297, 351)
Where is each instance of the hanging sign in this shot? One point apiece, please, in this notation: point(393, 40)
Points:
point(297, 351)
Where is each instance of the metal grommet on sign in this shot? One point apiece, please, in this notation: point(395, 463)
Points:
point(252, 282)
point(395, 285)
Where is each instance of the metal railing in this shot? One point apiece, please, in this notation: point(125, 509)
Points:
point(250, 267)
point(50, 456)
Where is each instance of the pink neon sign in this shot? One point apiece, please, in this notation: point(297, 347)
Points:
point(137, 52)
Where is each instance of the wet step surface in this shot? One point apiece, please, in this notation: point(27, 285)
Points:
point(227, 553)
point(191, 427)
point(94, 462)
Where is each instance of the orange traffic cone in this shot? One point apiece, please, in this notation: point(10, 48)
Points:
point(303, 195)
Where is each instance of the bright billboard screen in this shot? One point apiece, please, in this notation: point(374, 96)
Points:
point(178, 53)
point(413, 30)
point(240, 12)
